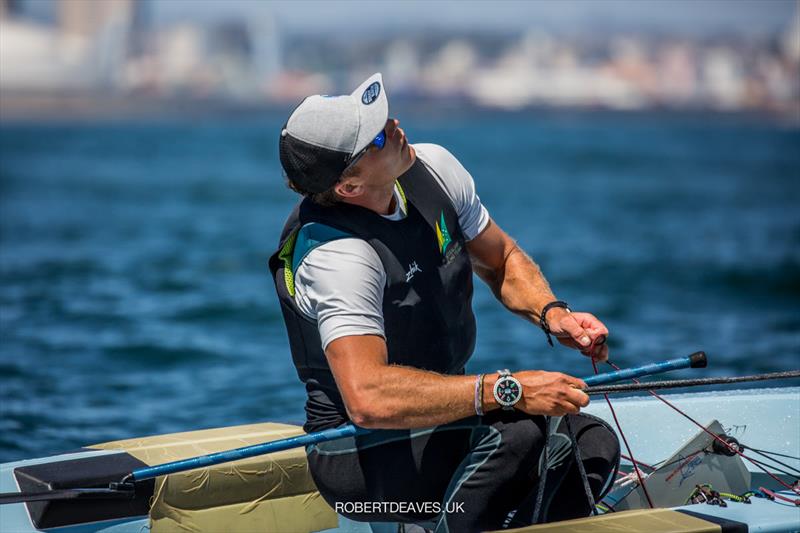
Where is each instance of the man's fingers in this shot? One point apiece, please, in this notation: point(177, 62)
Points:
point(596, 330)
point(598, 353)
point(578, 397)
point(601, 354)
point(574, 382)
point(600, 339)
point(590, 322)
point(571, 326)
point(570, 409)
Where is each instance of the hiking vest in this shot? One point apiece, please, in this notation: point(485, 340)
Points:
point(427, 300)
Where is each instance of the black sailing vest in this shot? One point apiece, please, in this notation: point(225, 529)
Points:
point(427, 301)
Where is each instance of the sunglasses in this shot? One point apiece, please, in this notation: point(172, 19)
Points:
point(378, 141)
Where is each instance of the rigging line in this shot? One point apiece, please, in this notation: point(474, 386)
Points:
point(684, 461)
point(772, 495)
point(772, 453)
point(759, 452)
point(581, 469)
point(537, 509)
point(651, 467)
point(679, 459)
point(784, 472)
point(608, 508)
point(682, 383)
point(627, 446)
point(716, 437)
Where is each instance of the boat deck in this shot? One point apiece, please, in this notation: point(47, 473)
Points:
point(767, 419)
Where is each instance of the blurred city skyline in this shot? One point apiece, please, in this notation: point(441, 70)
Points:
point(65, 56)
point(749, 17)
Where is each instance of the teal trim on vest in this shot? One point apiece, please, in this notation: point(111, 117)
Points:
point(311, 236)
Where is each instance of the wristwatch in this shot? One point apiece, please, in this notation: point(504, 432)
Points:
point(507, 390)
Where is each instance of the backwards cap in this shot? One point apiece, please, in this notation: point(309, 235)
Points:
point(324, 132)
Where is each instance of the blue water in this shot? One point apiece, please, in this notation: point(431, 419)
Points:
point(135, 298)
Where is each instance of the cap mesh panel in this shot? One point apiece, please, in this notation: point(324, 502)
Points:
point(310, 167)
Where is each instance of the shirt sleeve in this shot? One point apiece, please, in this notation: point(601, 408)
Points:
point(459, 186)
point(340, 285)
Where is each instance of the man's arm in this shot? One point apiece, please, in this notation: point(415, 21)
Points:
point(379, 395)
point(520, 285)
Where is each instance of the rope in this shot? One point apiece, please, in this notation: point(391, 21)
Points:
point(64, 494)
point(542, 473)
point(651, 467)
point(627, 446)
point(701, 426)
point(775, 468)
point(584, 478)
point(772, 495)
point(793, 471)
point(740, 498)
point(677, 383)
point(774, 453)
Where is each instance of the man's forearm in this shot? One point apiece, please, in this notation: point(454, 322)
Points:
point(520, 285)
point(404, 397)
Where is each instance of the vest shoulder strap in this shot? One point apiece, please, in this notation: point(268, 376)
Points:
point(311, 236)
point(297, 244)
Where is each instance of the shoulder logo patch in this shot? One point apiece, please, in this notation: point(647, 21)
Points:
point(442, 235)
point(449, 248)
point(371, 93)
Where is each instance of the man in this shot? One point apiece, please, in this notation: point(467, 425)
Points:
point(374, 275)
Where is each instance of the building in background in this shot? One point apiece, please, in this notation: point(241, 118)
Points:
point(70, 45)
point(111, 46)
point(113, 49)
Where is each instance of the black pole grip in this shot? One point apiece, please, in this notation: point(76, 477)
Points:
point(698, 360)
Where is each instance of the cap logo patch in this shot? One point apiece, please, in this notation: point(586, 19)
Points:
point(371, 93)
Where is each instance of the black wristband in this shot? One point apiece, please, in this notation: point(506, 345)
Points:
point(543, 318)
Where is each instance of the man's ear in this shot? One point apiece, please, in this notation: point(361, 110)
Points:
point(349, 188)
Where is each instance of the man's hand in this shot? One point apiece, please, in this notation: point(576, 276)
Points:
point(550, 393)
point(581, 331)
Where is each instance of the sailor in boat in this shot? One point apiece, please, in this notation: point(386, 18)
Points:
point(374, 277)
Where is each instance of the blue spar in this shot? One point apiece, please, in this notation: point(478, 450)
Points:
point(696, 360)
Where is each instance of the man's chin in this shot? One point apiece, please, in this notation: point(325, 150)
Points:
point(412, 154)
point(411, 158)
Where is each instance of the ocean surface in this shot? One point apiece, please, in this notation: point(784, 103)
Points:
point(135, 297)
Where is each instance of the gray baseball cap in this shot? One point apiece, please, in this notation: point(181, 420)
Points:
point(325, 133)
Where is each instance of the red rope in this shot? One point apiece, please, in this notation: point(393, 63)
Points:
point(774, 495)
point(651, 467)
point(683, 463)
point(701, 426)
point(627, 447)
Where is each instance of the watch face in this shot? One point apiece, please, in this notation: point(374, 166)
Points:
point(508, 391)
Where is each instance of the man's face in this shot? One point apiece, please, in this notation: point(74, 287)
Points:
point(383, 165)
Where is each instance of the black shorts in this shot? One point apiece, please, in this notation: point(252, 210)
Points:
point(474, 474)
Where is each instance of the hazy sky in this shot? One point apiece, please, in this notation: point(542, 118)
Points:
point(691, 16)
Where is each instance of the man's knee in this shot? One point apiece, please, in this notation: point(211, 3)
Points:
point(599, 448)
point(522, 437)
point(596, 435)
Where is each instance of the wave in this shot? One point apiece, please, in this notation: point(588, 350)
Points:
point(153, 355)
